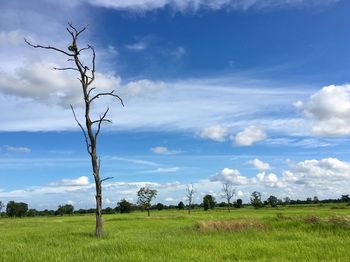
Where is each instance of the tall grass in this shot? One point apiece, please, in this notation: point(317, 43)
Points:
point(283, 234)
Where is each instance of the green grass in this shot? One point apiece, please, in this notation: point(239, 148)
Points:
point(176, 236)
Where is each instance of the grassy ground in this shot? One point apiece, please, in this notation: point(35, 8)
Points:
point(273, 234)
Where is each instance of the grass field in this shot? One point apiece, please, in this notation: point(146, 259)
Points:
point(315, 233)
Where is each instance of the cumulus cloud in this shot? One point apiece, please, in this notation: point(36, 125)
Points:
point(257, 163)
point(329, 110)
point(228, 175)
point(162, 150)
point(269, 179)
point(324, 170)
point(40, 82)
point(193, 5)
point(249, 136)
point(216, 133)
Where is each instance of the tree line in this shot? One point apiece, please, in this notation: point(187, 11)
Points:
point(144, 203)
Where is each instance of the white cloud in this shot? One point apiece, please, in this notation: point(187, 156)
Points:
point(13, 149)
point(216, 133)
point(80, 181)
point(162, 170)
point(138, 46)
point(161, 150)
point(184, 5)
point(249, 136)
point(269, 179)
point(257, 163)
point(11, 37)
point(329, 110)
point(231, 176)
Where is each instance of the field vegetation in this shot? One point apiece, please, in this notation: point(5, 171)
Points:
point(315, 232)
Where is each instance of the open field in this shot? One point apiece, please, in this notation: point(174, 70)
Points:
point(270, 234)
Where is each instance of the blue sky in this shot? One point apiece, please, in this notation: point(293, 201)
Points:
point(253, 93)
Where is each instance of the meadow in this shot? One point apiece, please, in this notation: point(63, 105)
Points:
point(303, 233)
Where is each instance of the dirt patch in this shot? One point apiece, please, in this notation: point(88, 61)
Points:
point(343, 221)
point(230, 225)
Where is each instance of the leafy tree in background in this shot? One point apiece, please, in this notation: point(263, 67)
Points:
point(208, 202)
point(255, 200)
point(316, 200)
point(181, 205)
point(1, 206)
point(64, 210)
point(14, 209)
point(145, 196)
point(239, 203)
point(160, 206)
point(124, 206)
point(272, 201)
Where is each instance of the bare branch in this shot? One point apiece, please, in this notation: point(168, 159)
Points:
point(65, 68)
point(48, 47)
point(91, 89)
point(83, 130)
point(107, 94)
point(102, 119)
point(107, 178)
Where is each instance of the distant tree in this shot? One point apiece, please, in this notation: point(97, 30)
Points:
point(190, 193)
point(208, 202)
point(124, 206)
point(108, 210)
point(228, 192)
point(181, 205)
point(316, 200)
point(255, 200)
point(309, 200)
point(64, 210)
point(1, 206)
point(145, 196)
point(160, 206)
point(272, 201)
point(239, 203)
point(286, 201)
point(32, 213)
point(14, 209)
point(345, 198)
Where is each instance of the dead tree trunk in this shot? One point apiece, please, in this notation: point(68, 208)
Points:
point(190, 193)
point(92, 128)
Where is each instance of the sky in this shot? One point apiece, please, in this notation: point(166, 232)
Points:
point(255, 93)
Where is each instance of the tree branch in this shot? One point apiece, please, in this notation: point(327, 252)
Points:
point(107, 178)
point(48, 47)
point(102, 119)
point(107, 94)
point(65, 68)
point(83, 130)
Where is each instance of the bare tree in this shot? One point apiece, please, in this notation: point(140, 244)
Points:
point(228, 193)
point(91, 128)
point(190, 193)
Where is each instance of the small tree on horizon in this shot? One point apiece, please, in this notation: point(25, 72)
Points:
point(208, 202)
point(145, 196)
point(255, 200)
point(181, 205)
point(229, 192)
point(189, 196)
point(272, 201)
point(1, 206)
point(123, 206)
